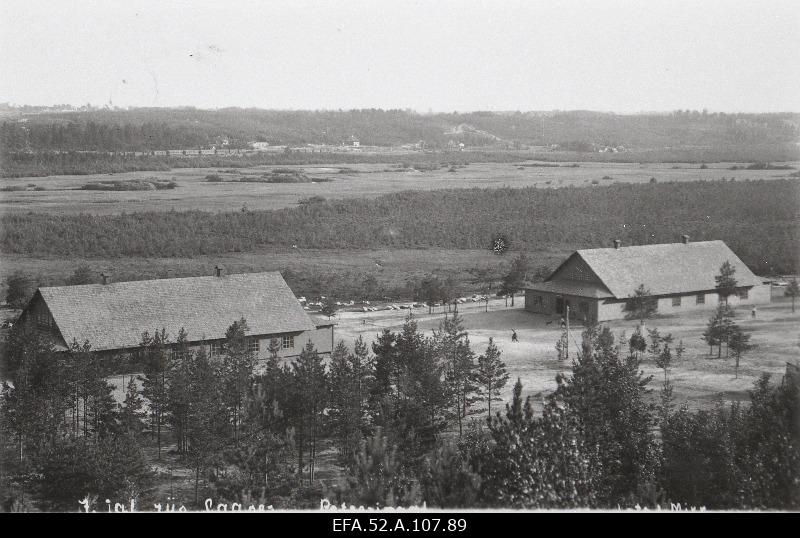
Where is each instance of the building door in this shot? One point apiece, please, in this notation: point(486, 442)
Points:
point(584, 306)
point(560, 306)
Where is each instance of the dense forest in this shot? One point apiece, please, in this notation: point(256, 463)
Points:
point(758, 220)
point(411, 422)
point(188, 128)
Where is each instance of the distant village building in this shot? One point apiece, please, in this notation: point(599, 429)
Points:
point(113, 316)
point(596, 283)
point(260, 146)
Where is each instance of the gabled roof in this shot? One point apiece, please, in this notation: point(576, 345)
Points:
point(114, 316)
point(664, 269)
point(572, 287)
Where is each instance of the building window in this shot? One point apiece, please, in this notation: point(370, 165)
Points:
point(179, 353)
point(701, 298)
point(253, 346)
point(537, 300)
point(288, 342)
point(676, 301)
point(43, 320)
point(743, 293)
point(215, 349)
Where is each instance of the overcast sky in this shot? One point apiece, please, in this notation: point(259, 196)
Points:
point(624, 56)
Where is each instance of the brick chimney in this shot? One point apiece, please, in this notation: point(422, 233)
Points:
point(105, 278)
point(685, 239)
point(617, 243)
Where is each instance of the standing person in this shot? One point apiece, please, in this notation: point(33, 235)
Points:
point(514, 335)
point(753, 312)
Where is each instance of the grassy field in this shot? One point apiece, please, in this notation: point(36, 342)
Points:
point(62, 194)
point(389, 267)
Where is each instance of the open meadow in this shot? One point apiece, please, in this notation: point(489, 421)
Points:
point(63, 194)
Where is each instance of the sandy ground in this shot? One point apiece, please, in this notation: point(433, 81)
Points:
point(699, 378)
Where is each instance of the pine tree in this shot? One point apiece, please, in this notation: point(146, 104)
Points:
point(155, 362)
point(329, 307)
point(359, 371)
point(538, 462)
point(492, 375)
point(273, 390)
point(99, 408)
point(207, 418)
point(664, 360)
point(739, 343)
point(180, 378)
point(637, 343)
point(655, 341)
point(679, 350)
point(311, 392)
point(237, 364)
point(720, 327)
point(448, 481)
point(608, 396)
point(452, 346)
point(641, 305)
point(726, 282)
point(385, 383)
point(344, 414)
point(421, 400)
point(377, 478)
point(131, 411)
point(515, 279)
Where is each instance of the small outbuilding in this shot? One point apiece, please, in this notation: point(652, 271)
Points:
point(596, 283)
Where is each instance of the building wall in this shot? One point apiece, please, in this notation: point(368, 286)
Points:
point(321, 338)
point(575, 269)
point(614, 309)
point(546, 303)
point(37, 315)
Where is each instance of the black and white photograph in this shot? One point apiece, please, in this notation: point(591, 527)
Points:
point(399, 265)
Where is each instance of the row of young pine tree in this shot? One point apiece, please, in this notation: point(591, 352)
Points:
point(412, 420)
point(757, 219)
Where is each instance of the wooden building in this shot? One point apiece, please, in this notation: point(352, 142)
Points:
point(596, 283)
point(113, 316)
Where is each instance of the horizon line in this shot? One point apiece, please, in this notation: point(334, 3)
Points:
point(429, 112)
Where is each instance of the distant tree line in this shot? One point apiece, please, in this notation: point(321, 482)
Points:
point(188, 128)
point(41, 164)
point(757, 219)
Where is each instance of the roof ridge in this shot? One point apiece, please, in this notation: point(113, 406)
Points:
point(157, 280)
point(653, 245)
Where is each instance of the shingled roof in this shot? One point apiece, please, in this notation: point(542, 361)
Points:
point(664, 269)
point(114, 316)
point(572, 287)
